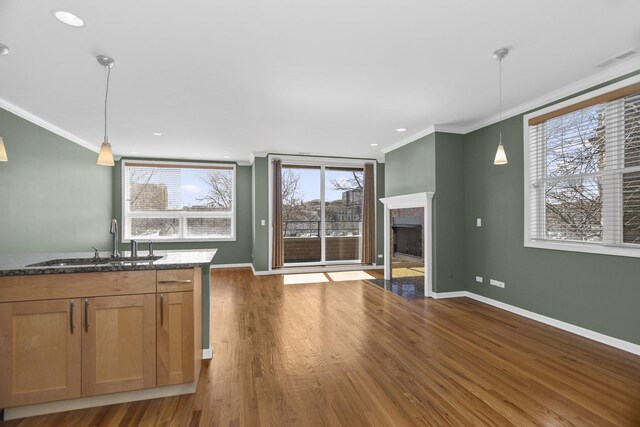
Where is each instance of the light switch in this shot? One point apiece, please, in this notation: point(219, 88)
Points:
point(263, 222)
point(380, 256)
point(478, 222)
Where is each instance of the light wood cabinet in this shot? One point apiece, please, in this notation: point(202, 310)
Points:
point(175, 323)
point(39, 351)
point(118, 344)
point(65, 336)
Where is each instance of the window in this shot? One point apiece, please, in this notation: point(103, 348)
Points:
point(582, 174)
point(165, 201)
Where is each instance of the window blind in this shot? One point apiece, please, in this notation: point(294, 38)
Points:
point(584, 172)
point(176, 201)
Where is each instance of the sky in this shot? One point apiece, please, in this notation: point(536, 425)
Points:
point(192, 186)
point(309, 183)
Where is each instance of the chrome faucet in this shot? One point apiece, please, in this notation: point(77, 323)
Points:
point(134, 248)
point(114, 230)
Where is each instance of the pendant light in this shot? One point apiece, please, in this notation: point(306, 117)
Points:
point(105, 158)
point(3, 152)
point(501, 156)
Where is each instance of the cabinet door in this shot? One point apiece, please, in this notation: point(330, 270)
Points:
point(39, 351)
point(175, 338)
point(118, 344)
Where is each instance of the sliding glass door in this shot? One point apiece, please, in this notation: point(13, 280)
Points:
point(343, 214)
point(321, 214)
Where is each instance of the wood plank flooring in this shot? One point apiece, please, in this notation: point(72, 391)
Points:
point(347, 353)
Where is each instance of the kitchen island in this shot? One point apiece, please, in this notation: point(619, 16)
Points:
point(82, 329)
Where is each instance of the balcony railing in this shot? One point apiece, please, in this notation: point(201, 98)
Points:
point(302, 242)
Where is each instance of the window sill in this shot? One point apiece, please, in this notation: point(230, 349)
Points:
point(585, 248)
point(142, 241)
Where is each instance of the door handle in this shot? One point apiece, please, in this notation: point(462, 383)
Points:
point(161, 309)
point(86, 314)
point(175, 281)
point(72, 306)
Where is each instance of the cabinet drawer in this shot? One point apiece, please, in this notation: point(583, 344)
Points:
point(175, 280)
point(76, 285)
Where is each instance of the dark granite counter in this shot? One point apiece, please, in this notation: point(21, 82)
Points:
point(18, 264)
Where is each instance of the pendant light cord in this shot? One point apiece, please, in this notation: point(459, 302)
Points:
point(500, 98)
point(106, 95)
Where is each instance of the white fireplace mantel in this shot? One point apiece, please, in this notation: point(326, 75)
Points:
point(415, 200)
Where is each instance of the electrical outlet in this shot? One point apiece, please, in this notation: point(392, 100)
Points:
point(263, 222)
point(380, 256)
point(496, 283)
point(479, 279)
point(478, 222)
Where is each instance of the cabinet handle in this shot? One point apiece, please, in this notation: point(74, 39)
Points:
point(162, 309)
point(175, 281)
point(72, 305)
point(86, 314)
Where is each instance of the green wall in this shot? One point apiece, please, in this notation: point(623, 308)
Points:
point(261, 212)
point(411, 168)
point(434, 164)
point(597, 292)
point(53, 195)
point(380, 174)
point(448, 214)
point(228, 252)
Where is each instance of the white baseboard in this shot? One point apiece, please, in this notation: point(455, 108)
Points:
point(207, 353)
point(587, 333)
point(238, 265)
point(90, 402)
point(317, 269)
point(441, 295)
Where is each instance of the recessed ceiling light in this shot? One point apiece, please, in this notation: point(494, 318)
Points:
point(134, 152)
point(68, 18)
point(401, 130)
point(373, 145)
point(157, 133)
point(4, 49)
point(226, 157)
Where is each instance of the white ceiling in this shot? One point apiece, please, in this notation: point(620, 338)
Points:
point(327, 77)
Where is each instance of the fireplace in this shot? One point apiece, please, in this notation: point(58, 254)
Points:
point(408, 239)
point(407, 232)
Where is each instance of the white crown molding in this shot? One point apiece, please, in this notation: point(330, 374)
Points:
point(408, 140)
point(428, 131)
point(572, 89)
point(46, 125)
point(626, 67)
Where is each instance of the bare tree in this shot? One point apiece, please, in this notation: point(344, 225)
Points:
point(576, 155)
point(355, 182)
point(219, 190)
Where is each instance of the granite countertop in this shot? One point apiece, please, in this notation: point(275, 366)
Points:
point(17, 264)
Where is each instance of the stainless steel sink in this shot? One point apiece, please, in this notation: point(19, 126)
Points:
point(81, 262)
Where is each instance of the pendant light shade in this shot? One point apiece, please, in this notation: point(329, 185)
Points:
point(105, 158)
point(3, 152)
point(501, 155)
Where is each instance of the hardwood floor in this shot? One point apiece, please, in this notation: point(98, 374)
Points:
point(351, 354)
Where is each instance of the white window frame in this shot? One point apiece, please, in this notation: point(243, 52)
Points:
point(611, 211)
point(126, 225)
